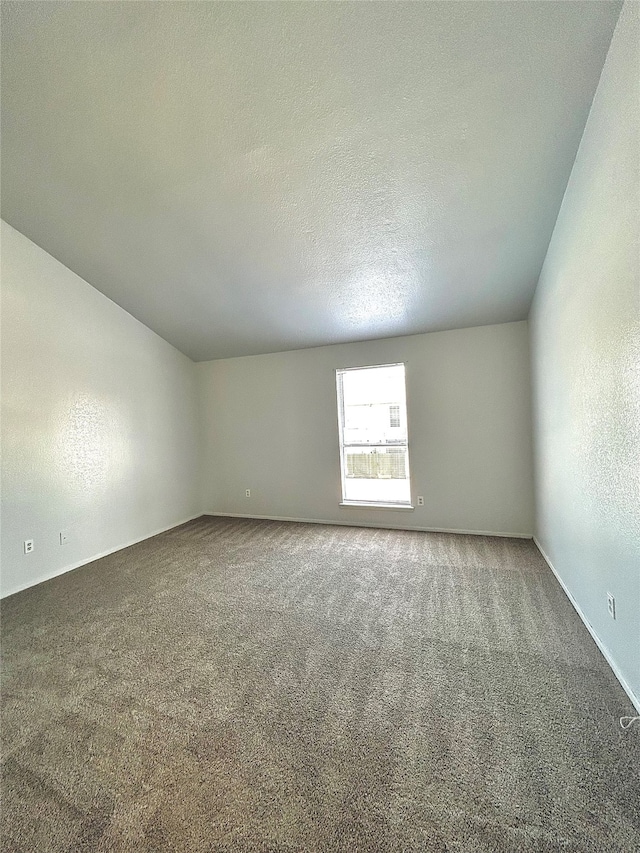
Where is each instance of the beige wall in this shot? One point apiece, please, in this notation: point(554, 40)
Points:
point(270, 425)
point(585, 338)
point(99, 421)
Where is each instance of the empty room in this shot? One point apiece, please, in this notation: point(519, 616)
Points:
point(320, 427)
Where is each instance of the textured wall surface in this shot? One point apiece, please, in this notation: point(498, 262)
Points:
point(585, 334)
point(99, 421)
point(280, 175)
point(270, 425)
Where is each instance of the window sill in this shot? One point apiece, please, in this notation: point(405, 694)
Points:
point(365, 505)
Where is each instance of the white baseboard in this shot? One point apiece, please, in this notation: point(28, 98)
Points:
point(370, 524)
point(605, 651)
point(95, 557)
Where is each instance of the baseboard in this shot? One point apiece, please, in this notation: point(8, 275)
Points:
point(635, 701)
point(99, 556)
point(370, 524)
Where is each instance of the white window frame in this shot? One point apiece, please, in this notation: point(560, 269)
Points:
point(344, 502)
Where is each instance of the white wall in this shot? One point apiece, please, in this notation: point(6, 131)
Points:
point(99, 421)
point(585, 337)
point(270, 425)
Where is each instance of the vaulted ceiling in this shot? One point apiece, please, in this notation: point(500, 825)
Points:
point(253, 177)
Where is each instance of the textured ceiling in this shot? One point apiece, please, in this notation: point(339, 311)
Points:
point(252, 177)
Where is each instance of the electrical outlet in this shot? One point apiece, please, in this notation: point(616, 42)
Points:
point(420, 500)
point(28, 546)
point(611, 605)
point(247, 494)
point(64, 537)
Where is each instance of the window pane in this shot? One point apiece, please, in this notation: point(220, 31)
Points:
point(371, 396)
point(377, 475)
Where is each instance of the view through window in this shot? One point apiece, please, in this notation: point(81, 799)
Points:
point(374, 451)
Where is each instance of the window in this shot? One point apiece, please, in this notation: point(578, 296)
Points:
point(374, 447)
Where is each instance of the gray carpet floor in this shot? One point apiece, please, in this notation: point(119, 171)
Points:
point(237, 685)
